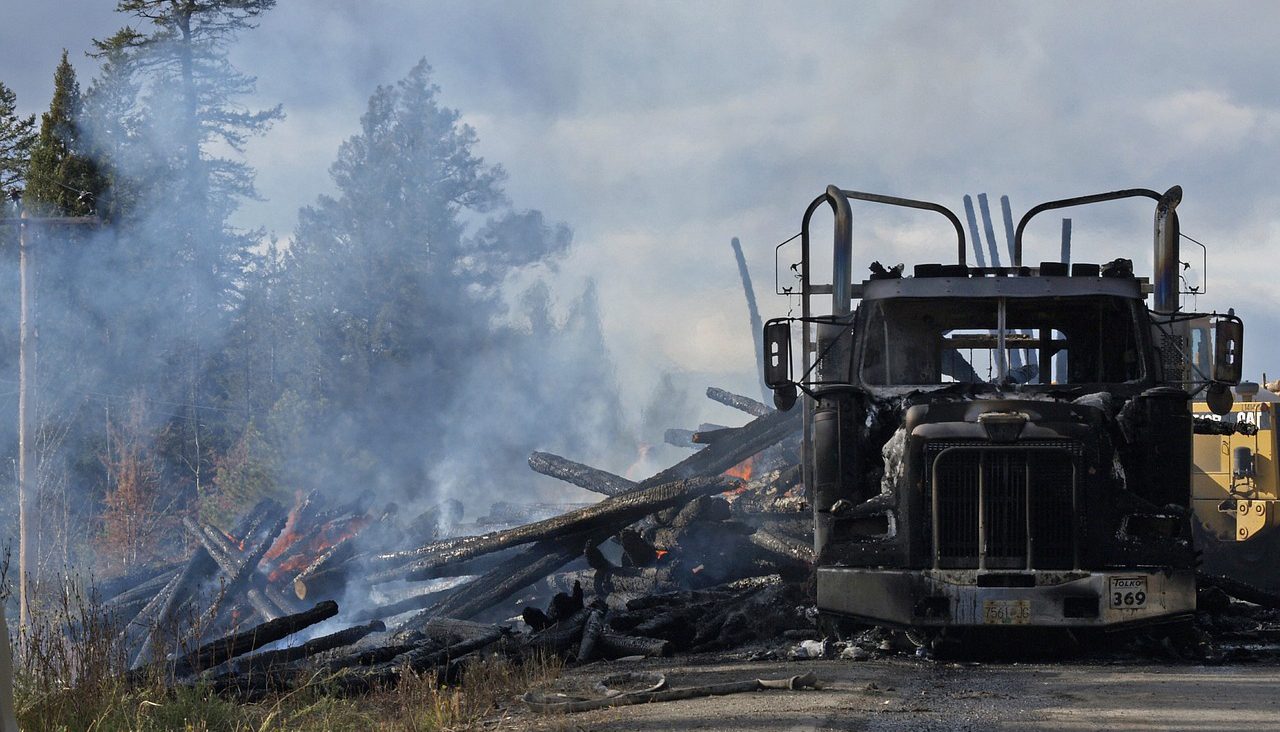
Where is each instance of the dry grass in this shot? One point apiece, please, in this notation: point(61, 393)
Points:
point(70, 670)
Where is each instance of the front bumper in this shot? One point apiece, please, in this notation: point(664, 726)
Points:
point(961, 598)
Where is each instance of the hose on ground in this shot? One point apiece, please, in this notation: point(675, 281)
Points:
point(655, 690)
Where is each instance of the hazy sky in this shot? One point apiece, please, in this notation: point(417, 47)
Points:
point(657, 131)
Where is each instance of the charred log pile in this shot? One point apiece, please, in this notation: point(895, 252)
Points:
point(710, 553)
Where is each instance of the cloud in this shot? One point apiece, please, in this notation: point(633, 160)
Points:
point(660, 130)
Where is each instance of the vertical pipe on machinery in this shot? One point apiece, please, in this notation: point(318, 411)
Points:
point(825, 425)
point(842, 256)
point(1165, 274)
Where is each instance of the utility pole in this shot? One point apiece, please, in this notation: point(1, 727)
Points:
point(26, 377)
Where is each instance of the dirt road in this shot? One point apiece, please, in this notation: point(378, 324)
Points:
point(910, 694)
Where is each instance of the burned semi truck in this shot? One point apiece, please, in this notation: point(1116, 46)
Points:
point(1004, 446)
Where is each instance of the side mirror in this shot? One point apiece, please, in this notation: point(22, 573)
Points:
point(777, 362)
point(1228, 349)
point(1219, 399)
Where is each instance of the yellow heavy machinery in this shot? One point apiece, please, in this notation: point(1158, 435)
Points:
point(1235, 484)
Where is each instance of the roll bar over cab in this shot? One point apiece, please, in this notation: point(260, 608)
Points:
point(999, 445)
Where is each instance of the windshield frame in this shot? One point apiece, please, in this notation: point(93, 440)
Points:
point(1143, 370)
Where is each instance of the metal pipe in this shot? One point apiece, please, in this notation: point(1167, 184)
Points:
point(1078, 201)
point(923, 205)
point(1002, 343)
point(842, 256)
point(1027, 512)
point(982, 509)
point(933, 517)
point(1165, 275)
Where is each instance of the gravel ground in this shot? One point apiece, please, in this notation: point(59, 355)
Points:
point(902, 693)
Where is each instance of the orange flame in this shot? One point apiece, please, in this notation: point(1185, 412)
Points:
point(238, 543)
point(743, 469)
point(329, 535)
point(290, 533)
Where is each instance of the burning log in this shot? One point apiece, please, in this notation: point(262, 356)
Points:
point(739, 402)
point(334, 555)
point(748, 440)
point(237, 644)
point(143, 621)
point(295, 552)
point(161, 611)
point(609, 516)
point(583, 476)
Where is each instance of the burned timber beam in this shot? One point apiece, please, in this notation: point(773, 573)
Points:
point(224, 649)
point(609, 516)
point(739, 402)
point(242, 570)
point(583, 476)
point(493, 587)
point(746, 441)
point(271, 659)
point(680, 438)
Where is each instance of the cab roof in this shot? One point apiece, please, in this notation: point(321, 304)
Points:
point(998, 286)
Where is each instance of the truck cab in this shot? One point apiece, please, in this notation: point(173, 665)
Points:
point(998, 446)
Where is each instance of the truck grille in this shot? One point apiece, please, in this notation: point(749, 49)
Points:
point(1003, 506)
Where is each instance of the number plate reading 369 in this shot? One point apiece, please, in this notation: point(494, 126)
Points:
point(1128, 592)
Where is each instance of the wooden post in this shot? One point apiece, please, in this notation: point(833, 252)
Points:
point(26, 378)
point(26, 348)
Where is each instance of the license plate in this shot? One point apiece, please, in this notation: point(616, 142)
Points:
point(1128, 593)
point(1006, 612)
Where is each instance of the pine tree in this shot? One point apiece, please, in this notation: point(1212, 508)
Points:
point(383, 312)
point(62, 179)
point(175, 232)
point(113, 125)
point(413, 366)
point(17, 135)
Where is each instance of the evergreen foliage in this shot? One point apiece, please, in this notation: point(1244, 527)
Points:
point(174, 84)
point(62, 179)
point(409, 342)
point(17, 135)
point(404, 341)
